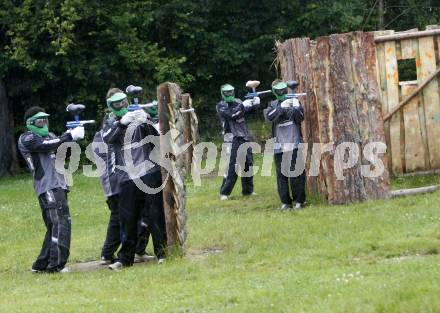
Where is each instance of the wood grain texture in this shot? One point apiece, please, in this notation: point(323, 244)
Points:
point(396, 121)
point(339, 75)
point(174, 136)
point(431, 99)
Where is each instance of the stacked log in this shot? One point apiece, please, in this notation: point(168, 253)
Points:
point(339, 75)
point(175, 134)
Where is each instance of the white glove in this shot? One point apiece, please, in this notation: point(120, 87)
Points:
point(295, 103)
point(247, 103)
point(128, 118)
point(140, 116)
point(256, 101)
point(286, 103)
point(157, 127)
point(77, 133)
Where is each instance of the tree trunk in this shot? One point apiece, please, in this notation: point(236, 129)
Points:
point(8, 152)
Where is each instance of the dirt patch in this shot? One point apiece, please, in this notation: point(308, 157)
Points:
point(197, 255)
point(191, 254)
point(93, 266)
point(401, 259)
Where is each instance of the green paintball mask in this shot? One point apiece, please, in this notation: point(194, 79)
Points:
point(118, 103)
point(228, 93)
point(39, 124)
point(280, 90)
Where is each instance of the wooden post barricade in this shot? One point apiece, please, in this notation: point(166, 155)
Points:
point(175, 117)
point(339, 75)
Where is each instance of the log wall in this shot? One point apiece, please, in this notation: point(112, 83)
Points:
point(339, 75)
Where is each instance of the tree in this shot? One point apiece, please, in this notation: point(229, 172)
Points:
point(54, 52)
point(8, 155)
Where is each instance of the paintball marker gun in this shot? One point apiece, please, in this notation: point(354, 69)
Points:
point(75, 110)
point(292, 84)
point(135, 91)
point(253, 84)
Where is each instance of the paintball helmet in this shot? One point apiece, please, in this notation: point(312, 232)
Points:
point(37, 121)
point(118, 103)
point(279, 89)
point(227, 92)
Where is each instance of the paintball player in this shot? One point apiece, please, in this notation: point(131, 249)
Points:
point(231, 112)
point(134, 166)
point(38, 147)
point(286, 116)
point(109, 184)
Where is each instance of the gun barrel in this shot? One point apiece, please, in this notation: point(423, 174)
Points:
point(74, 124)
point(88, 122)
point(148, 105)
point(134, 107)
point(295, 95)
point(251, 95)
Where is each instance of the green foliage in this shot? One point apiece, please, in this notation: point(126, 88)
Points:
point(55, 52)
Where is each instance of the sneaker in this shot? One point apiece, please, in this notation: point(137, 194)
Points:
point(223, 197)
point(299, 206)
point(116, 266)
point(161, 261)
point(106, 261)
point(37, 271)
point(140, 258)
point(64, 270)
point(250, 194)
point(285, 207)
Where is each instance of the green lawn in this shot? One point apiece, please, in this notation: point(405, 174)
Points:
point(380, 256)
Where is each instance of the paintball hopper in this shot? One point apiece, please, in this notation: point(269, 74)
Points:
point(133, 90)
point(75, 110)
point(253, 84)
point(292, 84)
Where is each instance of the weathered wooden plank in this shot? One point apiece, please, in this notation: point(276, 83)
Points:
point(414, 148)
point(346, 121)
point(316, 77)
point(421, 106)
point(408, 51)
point(369, 107)
point(187, 130)
point(414, 191)
point(171, 124)
point(382, 79)
point(323, 85)
point(415, 143)
point(431, 27)
point(403, 35)
point(397, 164)
point(431, 99)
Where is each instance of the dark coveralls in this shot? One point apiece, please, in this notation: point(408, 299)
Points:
point(286, 129)
point(133, 201)
point(232, 115)
point(51, 190)
point(105, 159)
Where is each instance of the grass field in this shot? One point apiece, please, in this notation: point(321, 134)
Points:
point(379, 256)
